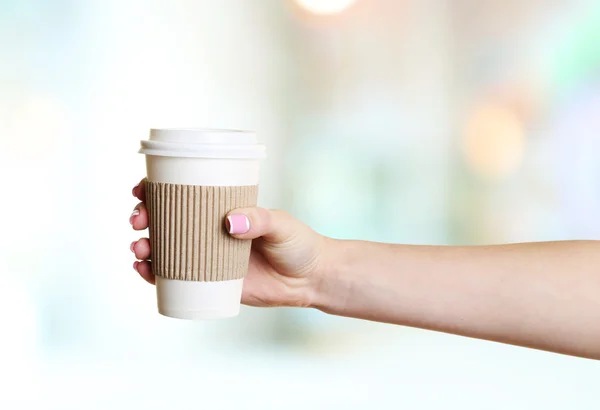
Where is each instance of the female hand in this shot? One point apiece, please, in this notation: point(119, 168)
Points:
point(540, 295)
point(286, 262)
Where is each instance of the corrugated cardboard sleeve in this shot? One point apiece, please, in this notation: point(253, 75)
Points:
point(188, 237)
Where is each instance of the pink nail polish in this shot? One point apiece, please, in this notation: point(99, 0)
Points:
point(132, 246)
point(135, 265)
point(238, 223)
point(135, 213)
point(134, 188)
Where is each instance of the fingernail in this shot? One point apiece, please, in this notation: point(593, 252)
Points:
point(135, 213)
point(238, 223)
point(135, 265)
point(132, 246)
point(134, 188)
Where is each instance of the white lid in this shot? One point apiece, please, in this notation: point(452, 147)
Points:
point(202, 143)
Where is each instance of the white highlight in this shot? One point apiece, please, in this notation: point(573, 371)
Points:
point(325, 6)
point(230, 224)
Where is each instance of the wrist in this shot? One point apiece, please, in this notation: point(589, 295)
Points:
point(330, 287)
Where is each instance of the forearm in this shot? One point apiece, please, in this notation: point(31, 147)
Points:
point(541, 295)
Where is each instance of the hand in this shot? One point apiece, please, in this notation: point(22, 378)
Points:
point(287, 260)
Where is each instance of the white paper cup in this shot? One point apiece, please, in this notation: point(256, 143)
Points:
point(205, 158)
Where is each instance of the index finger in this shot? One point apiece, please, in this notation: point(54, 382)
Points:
point(139, 191)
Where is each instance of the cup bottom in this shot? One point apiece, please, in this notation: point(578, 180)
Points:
point(199, 314)
point(194, 300)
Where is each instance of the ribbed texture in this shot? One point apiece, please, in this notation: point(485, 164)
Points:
point(188, 237)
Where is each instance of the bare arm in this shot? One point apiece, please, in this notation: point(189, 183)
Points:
point(540, 295)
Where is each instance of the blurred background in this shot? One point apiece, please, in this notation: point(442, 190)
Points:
point(438, 122)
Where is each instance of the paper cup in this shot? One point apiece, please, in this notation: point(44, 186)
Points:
point(194, 178)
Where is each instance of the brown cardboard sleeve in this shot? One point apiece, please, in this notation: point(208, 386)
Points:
point(188, 238)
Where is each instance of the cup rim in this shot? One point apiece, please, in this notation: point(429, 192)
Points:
point(190, 150)
point(202, 143)
point(199, 129)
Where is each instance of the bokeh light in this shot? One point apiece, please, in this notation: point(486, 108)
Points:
point(493, 141)
point(36, 126)
point(325, 6)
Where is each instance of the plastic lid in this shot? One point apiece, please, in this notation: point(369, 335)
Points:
point(202, 143)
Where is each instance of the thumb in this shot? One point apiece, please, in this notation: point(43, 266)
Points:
point(274, 226)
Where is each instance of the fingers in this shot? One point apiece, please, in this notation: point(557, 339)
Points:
point(139, 221)
point(141, 248)
point(273, 225)
point(139, 217)
point(144, 268)
point(139, 191)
